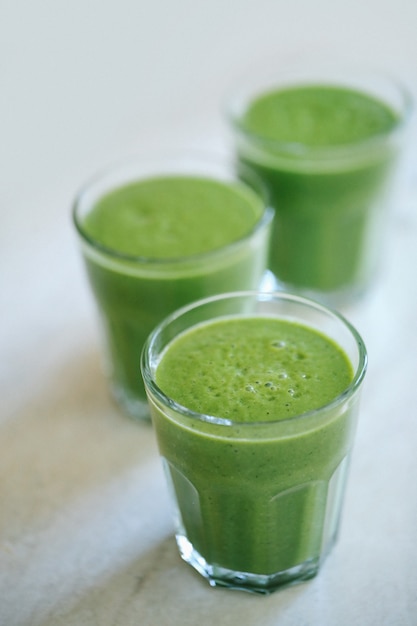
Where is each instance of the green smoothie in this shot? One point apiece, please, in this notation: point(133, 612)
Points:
point(167, 217)
point(258, 487)
point(326, 153)
point(155, 244)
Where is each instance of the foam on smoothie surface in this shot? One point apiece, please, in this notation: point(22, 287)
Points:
point(253, 369)
point(173, 216)
point(318, 116)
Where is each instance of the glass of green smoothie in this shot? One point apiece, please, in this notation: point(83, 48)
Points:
point(157, 234)
point(254, 400)
point(326, 141)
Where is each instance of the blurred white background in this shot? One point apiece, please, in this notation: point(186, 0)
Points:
point(86, 81)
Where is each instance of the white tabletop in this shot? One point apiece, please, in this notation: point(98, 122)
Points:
point(86, 536)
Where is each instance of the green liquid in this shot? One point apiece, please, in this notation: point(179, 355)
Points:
point(148, 258)
point(253, 370)
point(312, 145)
point(170, 217)
point(256, 496)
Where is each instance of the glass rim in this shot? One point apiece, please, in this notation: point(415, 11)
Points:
point(260, 193)
point(347, 393)
point(243, 94)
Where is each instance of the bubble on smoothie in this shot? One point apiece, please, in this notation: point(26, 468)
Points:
point(294, 392)
point(278, 343)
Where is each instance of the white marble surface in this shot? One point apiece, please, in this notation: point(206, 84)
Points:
point(85, 527)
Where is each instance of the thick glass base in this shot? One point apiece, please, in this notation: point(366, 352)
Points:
point(269, 283)
point(245, 581)
point(134, 406)
point(342, 298)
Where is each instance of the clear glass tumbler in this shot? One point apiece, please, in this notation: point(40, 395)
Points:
point(134, 292)
point(257, 504)
point(326, 140)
